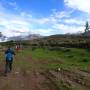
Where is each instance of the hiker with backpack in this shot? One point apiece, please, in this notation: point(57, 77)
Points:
point(9, 54)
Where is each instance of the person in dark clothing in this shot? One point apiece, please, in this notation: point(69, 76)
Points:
point(9, 53)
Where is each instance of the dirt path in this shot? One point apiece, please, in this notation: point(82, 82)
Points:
point(25, 80)
point(38, 79)
point(20, 79)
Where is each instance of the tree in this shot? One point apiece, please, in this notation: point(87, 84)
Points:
point(87, 27)
point(2, 37)
point(1, 34)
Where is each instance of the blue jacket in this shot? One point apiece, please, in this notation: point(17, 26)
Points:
point(9, 54)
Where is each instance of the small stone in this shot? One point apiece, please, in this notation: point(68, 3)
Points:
point(16, 72)
point(59, 69)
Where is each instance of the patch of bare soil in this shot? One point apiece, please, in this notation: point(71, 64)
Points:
point(26, 80)
point(43, 80)
point(74, 79)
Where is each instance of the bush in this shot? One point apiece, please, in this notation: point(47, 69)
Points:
point(33, 48)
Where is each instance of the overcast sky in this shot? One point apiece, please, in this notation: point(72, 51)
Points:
point(45, 17)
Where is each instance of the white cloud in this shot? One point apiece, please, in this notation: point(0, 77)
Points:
point(68, 29)
point(40, 20)
point(82, 5)
point(17, 24)
point(25, 23)
point(10, 33)
point(62, 14)
point(74, 21)
point(41, 31)
point(55, 17)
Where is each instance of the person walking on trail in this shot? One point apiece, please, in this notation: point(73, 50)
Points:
point(9, 54)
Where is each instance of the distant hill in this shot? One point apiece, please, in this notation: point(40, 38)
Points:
point(59, 40)
point(78, 41)
point(28, 37)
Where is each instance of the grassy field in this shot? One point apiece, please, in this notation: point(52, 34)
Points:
point(43, 69)
point(71, 58)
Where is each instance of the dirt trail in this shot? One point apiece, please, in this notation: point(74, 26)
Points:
point(37, 79)
point(20, 79)
point(25, 80)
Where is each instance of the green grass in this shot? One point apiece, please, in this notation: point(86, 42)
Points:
point(75, 58)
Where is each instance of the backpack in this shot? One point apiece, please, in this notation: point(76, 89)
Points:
point(9, 56)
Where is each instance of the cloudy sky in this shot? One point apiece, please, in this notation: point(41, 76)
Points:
point(45, 17)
